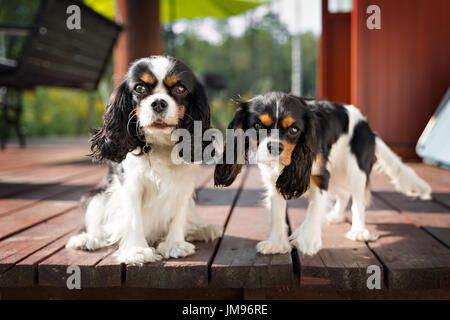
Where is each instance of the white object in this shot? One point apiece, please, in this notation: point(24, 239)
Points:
point(434, 143)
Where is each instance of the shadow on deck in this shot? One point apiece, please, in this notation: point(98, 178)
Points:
point(39, 191)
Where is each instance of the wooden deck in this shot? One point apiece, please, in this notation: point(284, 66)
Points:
point(39, 191)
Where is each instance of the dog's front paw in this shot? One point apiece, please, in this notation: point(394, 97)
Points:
point(361, 235)
point(85, 241)
point(273, 247)
point(207, 233)
point(307, 240)
point(139, 255)
point(175, 249)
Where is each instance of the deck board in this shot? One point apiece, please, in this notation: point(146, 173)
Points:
point(431, 215)
point(192, 271)
point(237, 263)
point(45, 209)
point(41, 185)
point(412, 258)
point(50, 191)
point(340, 264)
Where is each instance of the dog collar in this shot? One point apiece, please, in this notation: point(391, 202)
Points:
point(146, 149)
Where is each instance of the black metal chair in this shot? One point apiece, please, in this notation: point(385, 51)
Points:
point(48, 53)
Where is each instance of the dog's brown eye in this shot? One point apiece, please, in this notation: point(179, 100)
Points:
point(293, 131)
point(179, 89)
point(257, 126)
point(140, 88)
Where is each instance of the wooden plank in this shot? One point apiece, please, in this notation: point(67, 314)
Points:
point(53, 270)
point(237, 263)
point(41, 211)
point(205, 177)
point(44, 152)
point(214, 205)
point(341, 263)
point(439, 179)
point(37, 177)
point(18, 246)
point(428, 214)
point(412, 259)
point(49, 191)
point(20, 254)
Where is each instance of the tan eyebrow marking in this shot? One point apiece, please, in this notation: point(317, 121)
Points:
point(287, 121)
point(266, 119)
point(148, 78)
point(171, 80)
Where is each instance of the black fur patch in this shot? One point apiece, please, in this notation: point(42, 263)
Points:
point(363, 146)
point(332, 122)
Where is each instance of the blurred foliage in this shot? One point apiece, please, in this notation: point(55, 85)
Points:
point(19, 12)
point(256, 62)
point(58, 111)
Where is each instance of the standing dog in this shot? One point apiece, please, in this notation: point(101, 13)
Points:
point(322, 148)
point(148, 199)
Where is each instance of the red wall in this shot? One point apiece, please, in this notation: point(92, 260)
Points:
point(401, 72)
point(398, 74)
point(334, 57)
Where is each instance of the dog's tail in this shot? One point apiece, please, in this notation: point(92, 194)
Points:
point(402, 177)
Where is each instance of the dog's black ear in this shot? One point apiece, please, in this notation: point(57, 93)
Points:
point(198, 110)
point(113, 140)
point(225, 174)
point(294, 180)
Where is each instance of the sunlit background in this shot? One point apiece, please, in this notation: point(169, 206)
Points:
point(252, 52)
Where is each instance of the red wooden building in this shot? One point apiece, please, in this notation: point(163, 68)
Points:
point(395, 75)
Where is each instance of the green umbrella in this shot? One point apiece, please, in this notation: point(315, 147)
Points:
point(172, 10)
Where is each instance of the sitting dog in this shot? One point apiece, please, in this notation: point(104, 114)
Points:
point(148, 199)
point(322, 148)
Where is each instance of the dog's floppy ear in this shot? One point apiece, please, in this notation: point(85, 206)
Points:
point(113, 140)
point(295, 178)
point(197, 110)
point(225, 174)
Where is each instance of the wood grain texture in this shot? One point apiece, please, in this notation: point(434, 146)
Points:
point(24, 273)
point(214, 206)
point(21, 245)
point(401, 69)
point(237, 263)
point(413, 259)
point(53, 270)
point(433, 216)
point(340, 264)
point(43, 210)
point(49, 191)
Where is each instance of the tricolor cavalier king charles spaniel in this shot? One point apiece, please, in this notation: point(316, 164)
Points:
point(148, 200)
point(324, 149)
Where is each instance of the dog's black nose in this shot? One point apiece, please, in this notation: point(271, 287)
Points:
point(159, 105)
point(275, 148)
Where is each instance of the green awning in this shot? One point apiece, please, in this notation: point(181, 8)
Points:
point(172, 10)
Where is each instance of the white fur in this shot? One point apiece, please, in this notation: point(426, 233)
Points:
point(346, 180)
point(153, 205)
point(402, 177)
point(160, 65)
point(277, 242)
point(147, 116)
